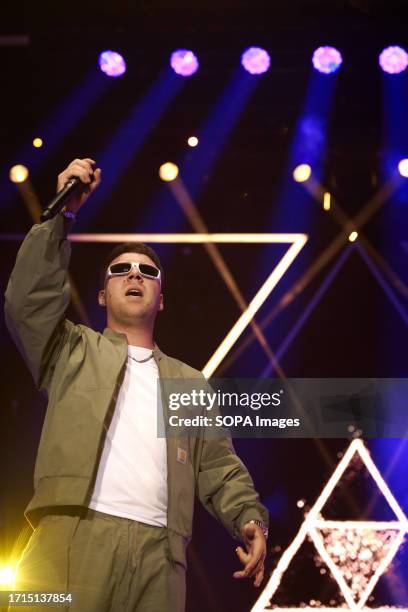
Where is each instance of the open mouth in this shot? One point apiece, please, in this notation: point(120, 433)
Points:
point(134, 292)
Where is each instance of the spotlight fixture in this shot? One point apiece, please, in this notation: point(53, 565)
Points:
point(112, 63)
point(403, 168)
point(18, 174)
point(256, 60)
point(7, 576)
point(192, 141)
point(327, 60)
point(393, 60)
point(37, 143)
point(184, 62)
point(168, 172)
point(302, 173)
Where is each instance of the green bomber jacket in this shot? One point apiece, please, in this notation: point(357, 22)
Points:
point(81, 371)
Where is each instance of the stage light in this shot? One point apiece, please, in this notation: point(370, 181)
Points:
point(340, 542)
point(184, 62)
point(326, 201)
point(327, 60)
point(37, 143)
point(7, 576)
point(403, 168)
point(18, 174)
point(353, 236)
point(168, 172)
point(112, 63)
point(192, 141)
point(393, 60)
point(255, 60)
point(296, 242)
point(302, 173)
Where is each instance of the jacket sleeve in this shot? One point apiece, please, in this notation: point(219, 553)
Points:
point(38, 295)
point(225, 487)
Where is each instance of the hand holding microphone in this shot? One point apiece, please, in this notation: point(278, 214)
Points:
point(74, 186)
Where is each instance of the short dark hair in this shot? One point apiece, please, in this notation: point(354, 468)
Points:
point(130, 247)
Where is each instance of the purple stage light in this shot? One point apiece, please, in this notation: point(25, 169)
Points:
point(256, 60)
point(184, 62)
point(327, 60)
point(112, 63)
point(393, 60)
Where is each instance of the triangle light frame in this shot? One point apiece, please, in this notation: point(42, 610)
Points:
point(296, 242)
point(313, 522)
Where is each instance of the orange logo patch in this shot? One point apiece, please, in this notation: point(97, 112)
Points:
point(181, 455)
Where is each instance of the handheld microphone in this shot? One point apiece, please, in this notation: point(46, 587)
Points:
point(72, 186)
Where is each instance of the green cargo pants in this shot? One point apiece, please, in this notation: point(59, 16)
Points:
point(109, 564)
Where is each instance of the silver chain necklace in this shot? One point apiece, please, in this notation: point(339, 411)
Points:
point(141, 360)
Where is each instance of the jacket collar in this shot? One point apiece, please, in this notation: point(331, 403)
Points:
point(119, 338)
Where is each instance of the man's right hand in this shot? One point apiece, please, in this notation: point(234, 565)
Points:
point(84, 170)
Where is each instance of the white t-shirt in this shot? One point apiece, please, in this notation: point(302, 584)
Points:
point(132, 474)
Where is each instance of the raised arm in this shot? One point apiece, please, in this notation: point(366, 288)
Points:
point(38, 292)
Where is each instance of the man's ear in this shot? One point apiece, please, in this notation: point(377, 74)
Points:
point(101, 298)
point(161, 304)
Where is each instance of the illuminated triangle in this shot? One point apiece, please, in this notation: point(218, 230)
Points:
point(314, 526)
point(296, 241)
point(337, 540)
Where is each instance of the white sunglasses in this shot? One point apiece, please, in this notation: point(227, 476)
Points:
point(124, 267)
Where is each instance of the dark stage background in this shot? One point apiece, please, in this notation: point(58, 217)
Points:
point(241, 182)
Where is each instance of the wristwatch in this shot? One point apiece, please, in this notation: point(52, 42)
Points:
point(262, 525)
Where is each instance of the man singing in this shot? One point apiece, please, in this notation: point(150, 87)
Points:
point(113, 504)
